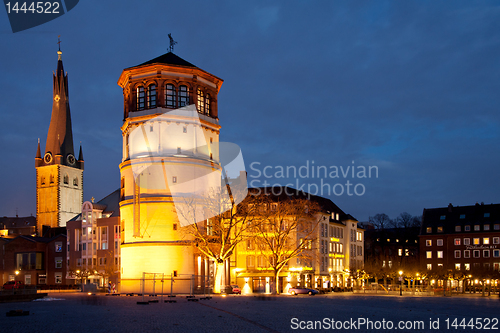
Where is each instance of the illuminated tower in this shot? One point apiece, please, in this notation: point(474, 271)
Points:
point(170, 129)
point(59, 175)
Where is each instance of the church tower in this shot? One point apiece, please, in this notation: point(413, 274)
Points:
point(170, 133)
point(59, 175)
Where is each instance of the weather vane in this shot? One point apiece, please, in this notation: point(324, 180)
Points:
point(172, 43)
point(59, 42)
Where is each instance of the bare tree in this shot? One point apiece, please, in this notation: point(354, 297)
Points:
point(225, 227)
point(380, 221)
point(285, 229)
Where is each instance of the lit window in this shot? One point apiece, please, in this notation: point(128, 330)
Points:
point(467, 267)
point(440, 254)
point(442, 217)
point(140, 98)
point(151, 96)
point(439, 242)
point(486, 214)
point(477, 227)
point(400, 252)
point(58, 278)
point(457, 253)
point(201, 101)
point(429, 267)
point(458, 228)
point(440, 265)
point(207, 104)
point(486, 227)
point(428, 230)
point(457, 241)
point(58, 262)
point(466, 241)
point(462, 216)
point(428, 242)
point(476, 241)
point(440, 229)
point(170, 96)
point(486, 241)
point(428, 254)
point(183, 96)
point(467, 254)
point(457, 267)
point(486, 253)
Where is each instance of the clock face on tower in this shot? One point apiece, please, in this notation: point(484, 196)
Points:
point(70, 159)
point(47, 158)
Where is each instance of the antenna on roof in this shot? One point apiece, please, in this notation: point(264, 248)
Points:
point(172, 43)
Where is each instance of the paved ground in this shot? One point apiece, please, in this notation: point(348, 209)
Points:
point(76, 312)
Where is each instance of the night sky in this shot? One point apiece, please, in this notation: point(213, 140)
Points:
point(409, 87)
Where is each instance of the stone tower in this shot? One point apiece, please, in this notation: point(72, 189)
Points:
point(59, 175)
point(170, 134)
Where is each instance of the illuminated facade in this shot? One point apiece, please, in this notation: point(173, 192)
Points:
point(170, 126)
point(335, 251)
point(94, 243)
point(59, 175)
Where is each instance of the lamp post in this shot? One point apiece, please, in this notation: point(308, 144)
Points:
point(401, 283)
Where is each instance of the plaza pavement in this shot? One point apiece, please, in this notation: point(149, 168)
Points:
point(78, 312)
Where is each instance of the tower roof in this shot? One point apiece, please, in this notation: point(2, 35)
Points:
point(169, 59)
point(60, 135)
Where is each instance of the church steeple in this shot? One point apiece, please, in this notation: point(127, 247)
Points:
point(59, 176)
point(60, 135)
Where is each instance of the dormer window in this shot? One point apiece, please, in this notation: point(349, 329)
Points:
point(170, 100)
point(140, 98)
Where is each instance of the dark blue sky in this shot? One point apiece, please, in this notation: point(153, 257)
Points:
point(411, 87)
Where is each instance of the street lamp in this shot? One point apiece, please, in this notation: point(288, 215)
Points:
point(401, 283)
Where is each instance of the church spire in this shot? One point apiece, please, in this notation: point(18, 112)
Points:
point(60, 136)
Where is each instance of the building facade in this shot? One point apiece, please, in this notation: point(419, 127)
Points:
point(94, 239)
point(332, 256)
point(461, 242)
point(59, 175)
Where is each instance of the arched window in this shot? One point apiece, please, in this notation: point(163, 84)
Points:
point(66, 179)
point(170, 96)
point(183, 96)
point(75, 181)
point(51, 179)
point(140, 98)
point(151, 96)
point(201, 102)
point(207, 104)
point(42, 180)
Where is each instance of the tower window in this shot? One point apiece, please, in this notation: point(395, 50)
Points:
point(201, 102)
point(170, 96)
point(52, 179)
point(207, 104)
point(66, 179)
point(152, 96)
point(183, 96)
point(75, 181)
point(140, 98)
point(42, 180)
